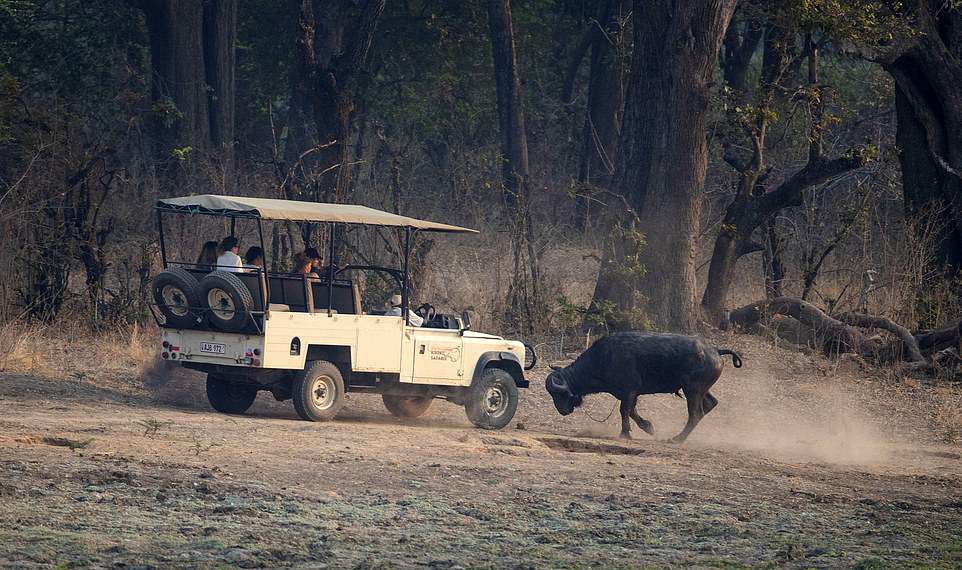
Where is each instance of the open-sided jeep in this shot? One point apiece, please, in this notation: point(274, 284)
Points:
point(308, 338)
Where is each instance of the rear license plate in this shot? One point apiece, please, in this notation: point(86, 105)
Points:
point(213, 348)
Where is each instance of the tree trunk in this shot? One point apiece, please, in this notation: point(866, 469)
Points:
point(928, 73)
point(514, 140)
point(930, 191)
point(179, 82)
point(525, 305)
point(335, 37)
point(606, 101)
point(220, 37)
point(664, 150)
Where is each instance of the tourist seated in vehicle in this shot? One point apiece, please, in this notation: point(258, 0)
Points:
point(393, 309)
point(254, 258)
point(303, 264)
point(208, 256)
point(228, 260)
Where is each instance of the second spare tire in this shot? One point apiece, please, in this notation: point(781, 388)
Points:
point(176, 296)
point(228, 301)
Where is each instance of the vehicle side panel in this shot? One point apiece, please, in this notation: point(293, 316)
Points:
point(374, 340)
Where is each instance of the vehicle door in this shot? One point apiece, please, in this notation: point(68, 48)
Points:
point(438, 356)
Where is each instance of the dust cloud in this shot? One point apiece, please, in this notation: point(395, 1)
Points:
point(798, 420)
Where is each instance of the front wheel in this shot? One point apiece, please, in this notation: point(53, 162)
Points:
point(229, 397)
point(406, 406)
point(492, 400)
point(318, 391)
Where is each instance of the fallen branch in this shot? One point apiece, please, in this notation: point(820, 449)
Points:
point(833, 336)
point(910, 344)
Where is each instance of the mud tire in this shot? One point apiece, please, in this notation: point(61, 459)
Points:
point(407, 406)
point(229, 397)
point(228, 301)
point(176, 293)
point(318, 391)
point(492, 399)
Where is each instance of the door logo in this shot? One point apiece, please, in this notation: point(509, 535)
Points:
point(446, 354)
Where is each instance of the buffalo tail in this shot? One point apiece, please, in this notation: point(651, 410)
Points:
point(736, 359)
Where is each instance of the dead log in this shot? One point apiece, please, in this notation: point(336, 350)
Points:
point(946, 337)
point(832, 336)
point(910, 345)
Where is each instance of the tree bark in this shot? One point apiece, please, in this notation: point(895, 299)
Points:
point(928, 75)
point(514, 140)
point(606, 100)
point(664, 153)
point(179, 82)
point(524, 294)
point(220, 38)
point(333, 43)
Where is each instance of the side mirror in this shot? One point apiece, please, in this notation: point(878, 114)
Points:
point(465, 322)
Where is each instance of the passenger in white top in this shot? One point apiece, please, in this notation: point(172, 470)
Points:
point(394, 310)
point(228, 260)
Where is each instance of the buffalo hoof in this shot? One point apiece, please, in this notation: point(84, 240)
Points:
point(624, 435)
point(678, 439)
point(648, 428)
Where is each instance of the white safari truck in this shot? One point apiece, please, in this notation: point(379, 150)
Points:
point(310, 339)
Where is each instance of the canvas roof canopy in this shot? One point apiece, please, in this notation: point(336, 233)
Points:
point(273, 209)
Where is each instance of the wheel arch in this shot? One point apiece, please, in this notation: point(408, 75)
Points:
point(506, 361)
point(338, 355)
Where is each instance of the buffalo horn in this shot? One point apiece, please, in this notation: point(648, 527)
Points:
point(554, 367)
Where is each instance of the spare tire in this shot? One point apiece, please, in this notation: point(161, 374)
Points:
point(176, 295)
point(228, 301)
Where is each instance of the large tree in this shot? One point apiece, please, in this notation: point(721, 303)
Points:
point(332, 44)
point(524, 296)
point(664, 156)
point(926, 63)
point(606, 101)
point(192, 81)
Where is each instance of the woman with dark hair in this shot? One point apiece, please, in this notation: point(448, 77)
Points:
point(254, 258)
point(302, 264)
point(208, 255)
point(228, 260)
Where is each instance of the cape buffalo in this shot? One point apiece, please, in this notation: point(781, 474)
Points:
point(629, 364)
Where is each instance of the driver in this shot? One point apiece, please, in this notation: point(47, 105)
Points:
point(393, 309)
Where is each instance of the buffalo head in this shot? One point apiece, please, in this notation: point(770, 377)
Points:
point(565, 401)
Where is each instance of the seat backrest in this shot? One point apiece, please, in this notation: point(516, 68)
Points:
point(289, 291)
point(342, 293)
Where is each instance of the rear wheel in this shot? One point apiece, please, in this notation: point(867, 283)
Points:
point(407, 406)
point(229, 397)
point(318, 391)
point(492, 400)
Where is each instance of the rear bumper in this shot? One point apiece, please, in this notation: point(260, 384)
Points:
point(208, 347)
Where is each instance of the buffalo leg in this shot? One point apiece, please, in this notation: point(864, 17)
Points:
point(642, 422)
point(710, 402)
point(696, 412)
point(627, 407)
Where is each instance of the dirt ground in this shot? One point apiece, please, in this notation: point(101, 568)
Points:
point(804, 463)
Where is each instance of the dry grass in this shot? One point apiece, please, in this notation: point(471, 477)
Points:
point(69, 350)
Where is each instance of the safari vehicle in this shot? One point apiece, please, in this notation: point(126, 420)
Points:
point(309, 339)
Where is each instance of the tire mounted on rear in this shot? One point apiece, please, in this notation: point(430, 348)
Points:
point(176, 293)
point(492, 399)
point(228, 300)
point(318, 391)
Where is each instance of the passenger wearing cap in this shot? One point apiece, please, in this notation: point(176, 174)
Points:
point(393, 309)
